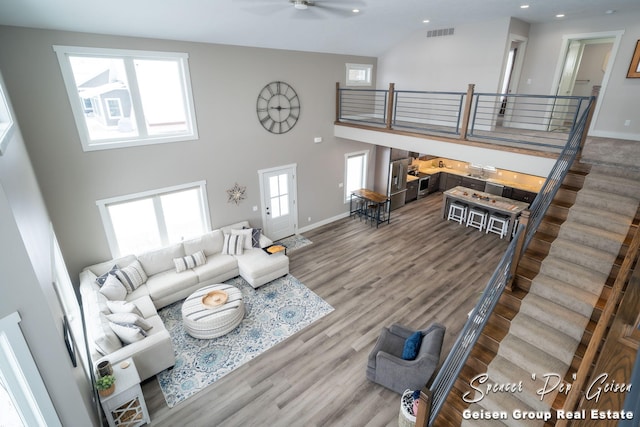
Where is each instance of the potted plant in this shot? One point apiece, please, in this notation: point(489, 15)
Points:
point(106, 385)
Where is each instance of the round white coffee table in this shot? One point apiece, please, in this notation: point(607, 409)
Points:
point(219, 317)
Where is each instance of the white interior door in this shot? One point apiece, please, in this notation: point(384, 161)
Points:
point(279, 213)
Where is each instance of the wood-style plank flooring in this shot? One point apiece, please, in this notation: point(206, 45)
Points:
point(416, 270)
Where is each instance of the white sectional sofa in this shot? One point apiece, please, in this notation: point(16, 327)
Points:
point(124, 323)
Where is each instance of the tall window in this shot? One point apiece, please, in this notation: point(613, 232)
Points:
point(145, 221)
point(6, 121)
point(124, 98)
point(355, 172)
point(359, 74)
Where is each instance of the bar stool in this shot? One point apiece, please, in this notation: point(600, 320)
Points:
point(498, 224)
point(457, 212)
point(515, 227)
point(477, 218)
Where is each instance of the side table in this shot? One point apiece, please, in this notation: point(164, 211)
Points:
point(126, 405)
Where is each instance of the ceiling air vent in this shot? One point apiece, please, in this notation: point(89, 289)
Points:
point(440, 32)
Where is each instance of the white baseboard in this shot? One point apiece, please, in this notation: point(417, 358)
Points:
point(323, 222)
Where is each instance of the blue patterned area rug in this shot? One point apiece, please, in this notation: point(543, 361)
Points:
point(274, 312)
point(294, 242)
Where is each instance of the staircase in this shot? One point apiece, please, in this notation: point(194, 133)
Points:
point(544, 325)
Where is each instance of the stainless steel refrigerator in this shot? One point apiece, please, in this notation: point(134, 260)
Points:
point(397, 187)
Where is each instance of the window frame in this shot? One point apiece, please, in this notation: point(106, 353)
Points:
point(144, 138)
point(7, 124)
point(365, 170)
point(103, 207)
point(368, 68)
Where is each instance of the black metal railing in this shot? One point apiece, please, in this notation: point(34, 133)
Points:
point(455, 361)
point(540, 122)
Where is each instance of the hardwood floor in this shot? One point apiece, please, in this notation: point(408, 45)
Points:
point(417, 270)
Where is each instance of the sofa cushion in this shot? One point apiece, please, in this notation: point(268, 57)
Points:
point(169, 282)
point(128, 333)
point(210, 243)
point(190, 261)
point(233, 244)
point(122, 307)
point(256, 262)
point(105, 340)
point(129, 318)
point(113, 288)
point(103, 267)
point(215, 266)
point(103, 278)
point(160, 260)
point(246, 235)
point(132, 276)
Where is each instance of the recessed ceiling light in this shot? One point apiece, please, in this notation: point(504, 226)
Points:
point(524, 6)
point(610, 12)
point(560, 15)
point(356, 11)
point(425, 21)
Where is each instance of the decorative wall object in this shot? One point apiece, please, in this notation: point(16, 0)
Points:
point(236, 193)
point(69, 342)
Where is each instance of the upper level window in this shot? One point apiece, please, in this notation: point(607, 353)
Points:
point(140, 222)
point(359, 74)
point(355, 172)
point(123, 98)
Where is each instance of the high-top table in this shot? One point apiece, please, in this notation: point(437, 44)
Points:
point(364, 199)
point(487, 201)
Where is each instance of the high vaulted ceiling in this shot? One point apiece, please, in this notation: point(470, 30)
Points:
point(329, 26)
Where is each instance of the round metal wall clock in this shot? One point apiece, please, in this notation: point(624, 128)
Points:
point(278, 107)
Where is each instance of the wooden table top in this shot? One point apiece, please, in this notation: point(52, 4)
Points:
point(370, 195)
point(489, 200)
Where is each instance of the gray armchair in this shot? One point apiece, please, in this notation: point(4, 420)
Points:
point(386, 366)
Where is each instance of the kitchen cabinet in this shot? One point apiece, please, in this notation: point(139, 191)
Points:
point(449, 180)
point(412, 191)
point(474, 184)
point(520, 195)
point(434, 183)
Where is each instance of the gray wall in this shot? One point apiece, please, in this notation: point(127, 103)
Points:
point(232, 146)
point(25, 285)
point(475, 54)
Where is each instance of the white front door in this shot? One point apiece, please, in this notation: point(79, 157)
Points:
point(279, 213)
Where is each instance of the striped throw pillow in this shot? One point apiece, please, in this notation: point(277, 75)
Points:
point(132, 276)
point(189, 261)
point(232, 244)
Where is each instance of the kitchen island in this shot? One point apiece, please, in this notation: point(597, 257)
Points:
point(489, 202)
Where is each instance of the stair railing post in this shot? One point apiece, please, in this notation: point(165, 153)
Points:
point(337, 102)
point(424, 408)
point(517, 254)
point(595, 92)
point(466, 114)
point(390, 99)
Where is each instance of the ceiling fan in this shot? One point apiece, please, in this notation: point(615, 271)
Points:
point(339, 7)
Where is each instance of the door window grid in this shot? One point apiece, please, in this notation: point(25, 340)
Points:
point(279, 195)
point(152, 90)
point(142, 222)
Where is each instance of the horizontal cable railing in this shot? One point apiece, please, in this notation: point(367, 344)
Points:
point(455, 361)
point(363, 105)
point(428, 111)
point(539, 122)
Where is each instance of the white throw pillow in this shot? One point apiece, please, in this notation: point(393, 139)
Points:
point(132, 276)
point(128, 333)
point(233, 244)
point(129, 319)
point(189, 261)
point(113, 289)
point(246, 237)
point(123, 307)
point(105, 338)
